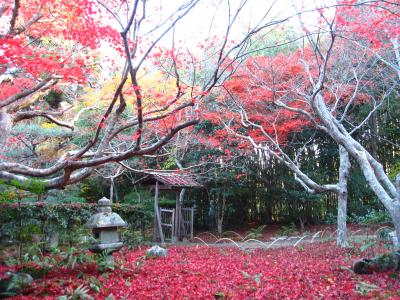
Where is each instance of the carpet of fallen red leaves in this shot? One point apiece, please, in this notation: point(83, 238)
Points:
point(316, 271)
point(237, 234)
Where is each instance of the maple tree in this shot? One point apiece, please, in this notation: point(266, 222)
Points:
point(374, 27)
point(51, 44)
point(270, 97)
point(263, 101)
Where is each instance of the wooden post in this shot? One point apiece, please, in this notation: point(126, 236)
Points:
point(177, 234)
point(157, 214)
point(191, 222)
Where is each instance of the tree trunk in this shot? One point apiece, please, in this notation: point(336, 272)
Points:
point(302, 224)
point(373, 171)
point(344, 168)
point(177, 221)
point(373, 135)
point(396, 213)
point(219, 225)
point(111, 189)
point(396, 222)
point(157, 215)
point(220, 214)
point(5, 127)
point(182, 226)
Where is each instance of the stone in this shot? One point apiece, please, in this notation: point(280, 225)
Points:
point(380, 263)
point(105, 225)
point(52, 240)
point(157, 251)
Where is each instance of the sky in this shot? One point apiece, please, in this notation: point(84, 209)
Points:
point(210, 17)
point(195, 27)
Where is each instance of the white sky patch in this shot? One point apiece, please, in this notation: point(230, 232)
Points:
point(209, 18)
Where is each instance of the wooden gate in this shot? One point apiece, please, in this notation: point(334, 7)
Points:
point(187, 221)
point(169, 221)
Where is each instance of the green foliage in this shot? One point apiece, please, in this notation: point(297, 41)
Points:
point(387, 261)
point(9, 192)
point(383, 234)
point(19, 221)
point(219, 295)
point(255, 233)
point(256, 278)
point(95, 284)
point(394, 170)
point(145, 198)
point(35, 186)
point(364, 288)
point(331, 218)
point(74, 257)
point(54, 98)
point(169, 164)
point(36, 271)
point(105, 261)
point(365, 246)
point(71, 194)
point(287, 230)
point(33, 130)
point(14, 285)
point(140, 196)
point(80, 293)
point(372, 217)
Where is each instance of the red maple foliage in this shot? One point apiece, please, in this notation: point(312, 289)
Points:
point(376, 23)
point(50, 38)
point(317, 271)
point(267, 96)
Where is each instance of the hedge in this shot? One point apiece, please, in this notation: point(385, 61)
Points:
point(19, 221)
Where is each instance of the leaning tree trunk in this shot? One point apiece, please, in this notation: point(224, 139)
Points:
point(344, 168)
point(373, 171)
point(396, 213)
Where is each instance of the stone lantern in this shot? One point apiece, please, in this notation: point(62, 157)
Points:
point(104, 225)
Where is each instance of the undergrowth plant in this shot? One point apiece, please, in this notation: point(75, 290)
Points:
point(105, 261)
point(255, 233)
point(287, 230)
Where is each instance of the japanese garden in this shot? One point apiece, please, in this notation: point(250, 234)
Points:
point(199, 149)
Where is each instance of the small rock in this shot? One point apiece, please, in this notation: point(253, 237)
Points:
point(380, 263)
point(157, 251)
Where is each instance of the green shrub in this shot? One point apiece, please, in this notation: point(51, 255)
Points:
point(255, 233)
point(287, 230)
point(20, 221)
point(372, 217)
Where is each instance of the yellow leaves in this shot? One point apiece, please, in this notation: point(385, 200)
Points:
point(155, 88)
point(48, 125)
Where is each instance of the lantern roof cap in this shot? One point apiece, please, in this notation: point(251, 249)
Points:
point(105, 218)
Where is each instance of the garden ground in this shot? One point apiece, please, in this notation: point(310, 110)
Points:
point(311, 271)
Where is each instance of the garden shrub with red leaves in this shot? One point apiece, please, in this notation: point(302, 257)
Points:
point(317, 271)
